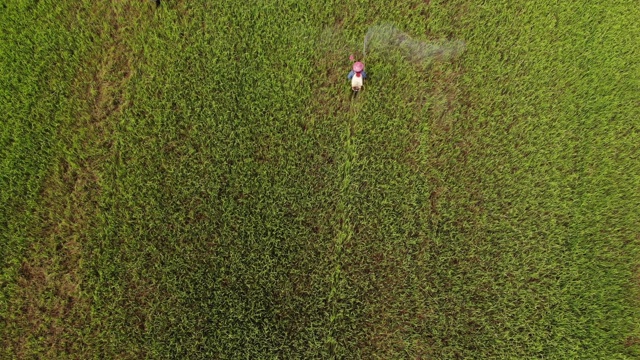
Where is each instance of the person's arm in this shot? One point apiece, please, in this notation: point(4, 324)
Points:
point(351, 73)
point(364, 74)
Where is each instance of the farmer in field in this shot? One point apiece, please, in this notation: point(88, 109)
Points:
point(357, 76)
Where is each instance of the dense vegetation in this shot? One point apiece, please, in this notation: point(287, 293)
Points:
point(194, 181)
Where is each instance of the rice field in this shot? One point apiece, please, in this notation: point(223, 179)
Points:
point(193, 180)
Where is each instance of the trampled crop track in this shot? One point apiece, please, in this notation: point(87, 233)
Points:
point(345, 231)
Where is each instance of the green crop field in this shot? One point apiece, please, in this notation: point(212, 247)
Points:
point(193, 181)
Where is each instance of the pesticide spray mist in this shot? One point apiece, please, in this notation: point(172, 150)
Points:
point(386, 37)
